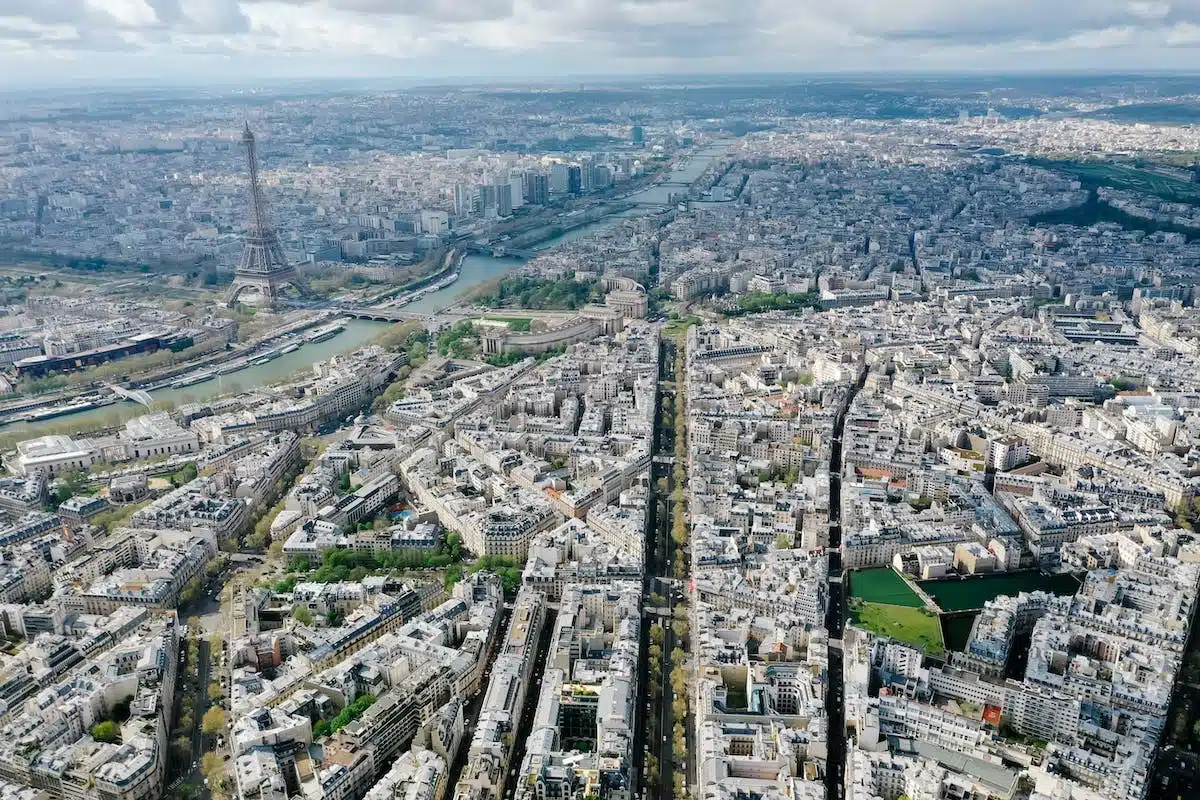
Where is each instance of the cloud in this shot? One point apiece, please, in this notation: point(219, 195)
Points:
point(562, 36)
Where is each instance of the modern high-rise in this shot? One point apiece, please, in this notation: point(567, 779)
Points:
point(504, 202)
point(587, 175)
point(537, 188)
point(463, 200)
point(601, 176)
point(487, 197)
point(574, 179)
point(516, 189)
point(637, 135)
point(560, 177)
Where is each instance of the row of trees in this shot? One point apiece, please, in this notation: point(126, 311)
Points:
point(505, 567)
point(119, 370)
point(758, 302)
point(680, 541)
point(539, 293)
point(515, 356)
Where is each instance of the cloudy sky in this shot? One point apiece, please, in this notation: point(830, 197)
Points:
point(64, 41)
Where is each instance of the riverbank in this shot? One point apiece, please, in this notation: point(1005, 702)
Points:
point(263, 366)
point(355, 334)
point(449, 263)
point(476, 268)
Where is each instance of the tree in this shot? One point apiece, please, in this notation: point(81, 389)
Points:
point(418, 351)
point(212, 767)
point(106, 731)
point(679, 680)
point(181, 749)
point(679, 533)
point(215, 692)
point(191, 592)
point(454, 546)
point(656, 632)
point(186, 474)
point(213, 721)
point(302, 615)
point(680, 627)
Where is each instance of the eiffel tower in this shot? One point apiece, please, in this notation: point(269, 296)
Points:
point(264, 269)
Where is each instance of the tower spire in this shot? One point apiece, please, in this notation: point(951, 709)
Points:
point(264, 267)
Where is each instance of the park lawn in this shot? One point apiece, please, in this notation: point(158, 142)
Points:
point(970, 593)
point(915, 626)
point(1122, 176)
point(678, 327)
point(882, 585)
point(515, 324)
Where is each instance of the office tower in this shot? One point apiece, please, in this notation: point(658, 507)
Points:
point(487, 197)
point(504, 204)
point(601, 177)
point(637, 136)
point(537, 188)
point(264, 268)
point(587, 175)
point(463, 197)
point(527, 186)
point(574, 179)
point(560, 178)
point(516, 189)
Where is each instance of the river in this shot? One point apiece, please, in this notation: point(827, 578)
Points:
point(476, 269)
point(356, 333)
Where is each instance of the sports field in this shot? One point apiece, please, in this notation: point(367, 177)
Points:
point(915, 626)
point(970, 593)
point(882, 585)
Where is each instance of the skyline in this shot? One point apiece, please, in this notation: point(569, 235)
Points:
point(221, 41)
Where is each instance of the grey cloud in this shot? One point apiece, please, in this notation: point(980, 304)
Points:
point(997, 21)
point(214, 16)
point(437, 10)
point(432, 10)
point(606, 31)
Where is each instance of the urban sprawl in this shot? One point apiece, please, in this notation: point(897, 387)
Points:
point(840, 457)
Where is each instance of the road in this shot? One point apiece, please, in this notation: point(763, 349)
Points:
point(474, 703)
point(204, 670)
point(658, 722)
point(835, 615)
point(525, 727)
